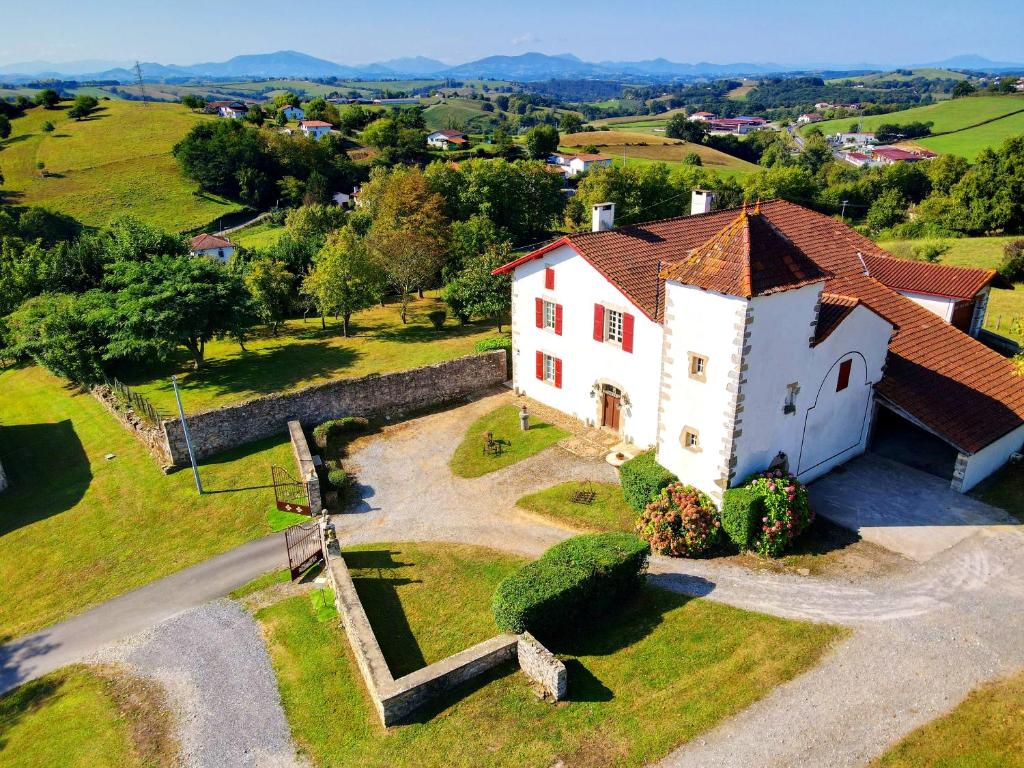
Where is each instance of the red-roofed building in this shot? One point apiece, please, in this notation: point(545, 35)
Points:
point(315, 129)
point(702, 116)
point(447, 138)
point(214, 246)
point(724, 338)
point(890, 155)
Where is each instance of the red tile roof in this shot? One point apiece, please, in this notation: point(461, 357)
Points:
point(315, 124)
point(205, 242)
point(587, 157)
point(449, 133)
point(935, 279)
point(834, 309)
point(896, 154)
point(951, 383)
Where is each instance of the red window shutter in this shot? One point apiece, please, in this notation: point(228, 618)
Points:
point(844, 375)
point(598, 322)
point(540, 313)
point(558, 319)
point(558, 373)
point(627, 332)
point(540, 366)
point(549, 278)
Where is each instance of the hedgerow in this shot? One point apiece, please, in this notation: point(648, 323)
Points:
point(498, 342)
point(571, 583)
point(742, 510)
point(335, 428)
point(642, 479)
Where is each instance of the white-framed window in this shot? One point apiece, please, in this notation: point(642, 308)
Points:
point(612, 325)
point(549, 315)
point(549, 369)
point(690, 439)
point(698, 366)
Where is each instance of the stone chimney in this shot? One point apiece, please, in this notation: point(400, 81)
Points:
point(602, 216)
point(701, 201)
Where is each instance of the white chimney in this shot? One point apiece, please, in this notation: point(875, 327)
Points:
point(602, 216)
point(701, 201)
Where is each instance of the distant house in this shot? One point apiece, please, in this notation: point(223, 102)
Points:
point(824, 105)
point(574, 165)
point(858, 159)
point(740, 125)
point(233, 109)
point(291, 112)
point(809, 117)
point(891, 155)
point(219, 248)
point(842, 139)
point(315, 129)
point(702, 116)
point(344, 199)
point(447, 139)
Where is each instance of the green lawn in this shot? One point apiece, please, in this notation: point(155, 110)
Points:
point(469, 459)
point(302, 354)
point(607, 512)
point(952, 115)
point(643, 148)
point(970, 142)
point(82, 717)
point(77, 529)
point(1005, 314)
point(664, 670)
point(115, 163)
point(985, 731)
point(263, 235)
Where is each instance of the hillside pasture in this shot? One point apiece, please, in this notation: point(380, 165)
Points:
point(467, 113)
point(740, 93)
point(928, 73)
point(642, 146)
point(970, 142)
point(115, 163)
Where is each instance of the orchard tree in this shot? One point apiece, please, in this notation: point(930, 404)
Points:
point(169, 302)
point(270, 285)
point(343, 280)
point(477, 292)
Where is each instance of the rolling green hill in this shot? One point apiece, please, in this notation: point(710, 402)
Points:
point(115, 163)
point(928, 73)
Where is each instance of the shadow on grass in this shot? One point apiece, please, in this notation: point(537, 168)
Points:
point(48, 471)
point(19, 704)
point(417, 333)
point(439, 704)
point(378, 591)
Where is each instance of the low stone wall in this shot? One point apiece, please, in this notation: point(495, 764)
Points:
point(307, 469)
point(395, 699)
point(389, 394)
point(154, 438)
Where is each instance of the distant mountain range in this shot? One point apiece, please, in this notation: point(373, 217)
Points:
point(525, 67)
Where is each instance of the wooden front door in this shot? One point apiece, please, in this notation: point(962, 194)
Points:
point(610, 408)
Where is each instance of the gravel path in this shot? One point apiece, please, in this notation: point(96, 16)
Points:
point(213, 663)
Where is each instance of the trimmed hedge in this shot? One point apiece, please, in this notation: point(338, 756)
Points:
point(335, 428)
point(571, 583)
point(338, 478)
point(437, 318)
point(742, 511)
point(497, 342)
point(642, 479)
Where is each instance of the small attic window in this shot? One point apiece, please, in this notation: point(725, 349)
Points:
point(844, 375)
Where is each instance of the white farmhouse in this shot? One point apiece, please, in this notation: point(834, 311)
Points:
point(447, 138)
point(219, 248)
point(724, 338)
point(574, 165)
point(291, 112)
point(315, 129)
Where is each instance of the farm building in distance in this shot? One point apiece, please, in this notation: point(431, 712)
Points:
point(214, 246)
point(447, 138)
point(574, 165)
point(315, 129)
point(291, 112)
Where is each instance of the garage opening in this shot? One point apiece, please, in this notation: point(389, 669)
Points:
point(898, 439)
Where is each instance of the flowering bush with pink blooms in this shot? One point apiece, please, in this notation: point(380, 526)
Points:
point(786, 511)
point(681, 522)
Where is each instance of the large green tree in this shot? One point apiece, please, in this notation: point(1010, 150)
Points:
point(343, 280)
point(270, 285)
point(476, 292)
point(541, 141)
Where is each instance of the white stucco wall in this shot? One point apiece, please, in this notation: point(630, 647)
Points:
point(827, 427)
point(578, 286)
point(939, 305)
point(707, 324)
point(986, 461)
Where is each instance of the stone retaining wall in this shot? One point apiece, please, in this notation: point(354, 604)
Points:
point(395, 699)
point(389, 394)
point(154, 438)
point(307, 469)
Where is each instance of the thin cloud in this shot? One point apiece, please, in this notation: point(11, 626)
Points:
point(526, 39)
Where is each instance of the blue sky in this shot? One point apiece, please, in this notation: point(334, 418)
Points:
point(362, 31)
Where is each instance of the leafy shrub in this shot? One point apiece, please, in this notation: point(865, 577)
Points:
point(1012, 266)
point(571, 583)
point(336, 428)
point(786, 511)
point(681, 522)
point(742, 510)
point(338, 478)
point(437, 318)
point(497, 342)
point(642, 479)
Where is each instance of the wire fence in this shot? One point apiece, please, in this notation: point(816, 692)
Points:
point(1009, 324)
point(129, 397)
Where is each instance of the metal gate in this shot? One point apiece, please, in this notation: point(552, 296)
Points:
point(305, 547)
point(289, 493)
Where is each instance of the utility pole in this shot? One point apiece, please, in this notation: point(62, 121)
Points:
point(842, 212)
point(188, 437)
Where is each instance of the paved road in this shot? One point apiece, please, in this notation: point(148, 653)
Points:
point(79, 637)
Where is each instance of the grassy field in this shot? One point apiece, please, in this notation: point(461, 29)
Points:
point(115, 163)
point(985, 731)
point(642, 146)
point(469, 460)
point(77, 529)
point(84, 717)
point(263, 235)
point(954, 115)
point(468, 113)
point(607, 512)
point(740, 93)
point(929, 73)
point(302, 353)
point(664, 670)
point(1005, 313)
point(628, 121)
